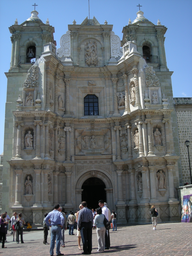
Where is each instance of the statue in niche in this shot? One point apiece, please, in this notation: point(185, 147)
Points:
point(30, 53)
point(161, 179)
point(60, 102)
point(157, 137)
point(154, 97)
point(61, 142)
point(133, 96)
point(124, 146)
point(29, 140)
point(91, 53)
point(49, 184)
point(121, 99)
point(29, 99)
point(136, 139)
point(78, 143)
point(139, 182)
point(92, 142)
point(28, 186)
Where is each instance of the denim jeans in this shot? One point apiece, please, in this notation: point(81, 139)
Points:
point(114, 221)
point(71, 227)
point(62, 238)
point(55, 234)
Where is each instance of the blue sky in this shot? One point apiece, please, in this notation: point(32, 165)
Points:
point(174, 14)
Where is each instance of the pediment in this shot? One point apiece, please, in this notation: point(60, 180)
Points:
point(90, 22)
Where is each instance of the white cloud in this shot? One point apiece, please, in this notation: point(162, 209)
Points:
point(184, 94)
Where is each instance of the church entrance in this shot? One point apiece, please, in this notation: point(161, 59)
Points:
point(93, 191)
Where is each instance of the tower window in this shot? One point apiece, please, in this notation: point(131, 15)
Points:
point(31, 53)
point(91, 106)
point(147, 53)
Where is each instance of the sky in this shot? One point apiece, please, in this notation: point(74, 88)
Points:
point(174, 14)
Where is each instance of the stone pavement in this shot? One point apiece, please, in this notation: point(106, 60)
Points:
point(168, 239)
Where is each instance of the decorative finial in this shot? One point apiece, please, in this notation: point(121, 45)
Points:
point(16, 22)
point(74, 22)
point(139, 6)
point(129, 21)
point(105, 22)
point(35, 5)
point(47, 22)
point(158, 22)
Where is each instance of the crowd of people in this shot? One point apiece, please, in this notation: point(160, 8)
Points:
point(84, 220)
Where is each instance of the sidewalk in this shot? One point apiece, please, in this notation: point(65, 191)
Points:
point(168, 239)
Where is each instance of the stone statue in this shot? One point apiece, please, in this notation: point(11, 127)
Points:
point(121, 99)
point(136, 139)
point(139, 182)
point(28, 186)
point(30, 53)
point(61, 144)
point(60, 102)
point(92, 142)
point(154, 98)
point(133, 96)
point(29, 100)
point(78, 143)
point(161, 179)
point(29, 140)
point(91, 53)
point(49, 184)
point(157, 137)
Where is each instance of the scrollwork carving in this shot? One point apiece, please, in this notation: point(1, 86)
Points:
point(32, 77)
point(150, 77)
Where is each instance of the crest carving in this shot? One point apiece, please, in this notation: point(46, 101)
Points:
point(151, 79)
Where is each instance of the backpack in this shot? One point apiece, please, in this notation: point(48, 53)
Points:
point(115, 215)
point(17, 225)
point(106, 223)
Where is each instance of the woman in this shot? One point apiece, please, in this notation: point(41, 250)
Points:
point(154, 214)
point(114, 220)
point(13, 222)
point(3, 229)
point(100, 229)
point(19, 228)
point(78, 232)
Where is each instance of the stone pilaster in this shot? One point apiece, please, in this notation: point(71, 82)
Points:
point(149, 136)
point(18, 141)
point(127, 107)
point(135, 79)
point(18, 186)
point(140, 139)
point(68, 130)
point(16, 49)
point(113, 142)
point(162, 57)
point(38, 144)
point(67, 107)
point(144, 133)
point(117, 128)
point(56, 182)
point(145, 182)
point(132, 186)
point(153, 191)
point(46, 202)
point(46, 140)
point(68, 174)
point(114, 81)
point(37, 188)
point(168, 136)
point(42, 140)
point(129, 141)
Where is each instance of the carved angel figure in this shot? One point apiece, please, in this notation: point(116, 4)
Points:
point(29, 100)
point(28, 186)
point(157, 137)
point(29, 140)
point(121, 99)
point(133, 97)
point(161, 179)
point(136, 139)
point(91, 53)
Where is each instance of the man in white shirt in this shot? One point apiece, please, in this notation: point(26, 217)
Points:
point(106, 212)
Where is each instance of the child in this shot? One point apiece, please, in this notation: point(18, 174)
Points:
point(45, 230)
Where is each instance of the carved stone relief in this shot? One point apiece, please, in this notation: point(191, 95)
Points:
point(115, 46)
point(157, 137)
point(161, 177)
point(154, 97)
point(124, 146)
point(49, 181)
point(136, 139)
point(29, 99)
point(61, 145)
point(29, 185)
point(132, 94)
point(51, 138)
point(32, 77)
point(60, 102)
point(29, 140)
point(91, 58)
point(121, 98)
point(150, 77)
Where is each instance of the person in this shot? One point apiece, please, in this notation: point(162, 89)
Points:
point(62, 239)
point(85, 222)
point(114, 220)
point(13, 222)
point(19, 228)
point(7, 219)
point(3, 229)
point(105, 211)
point(99, 223)
point(93, 213)
point(78, 232)
point(45, 229)
point(71, 221)
point(55, 219)
point(154, 214)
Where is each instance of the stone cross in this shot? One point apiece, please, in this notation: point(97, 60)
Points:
point(139, 6)
point(34, 6)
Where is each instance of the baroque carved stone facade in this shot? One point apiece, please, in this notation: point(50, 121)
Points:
point(127, 140)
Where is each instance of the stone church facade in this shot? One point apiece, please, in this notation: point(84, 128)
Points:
point(94, 118)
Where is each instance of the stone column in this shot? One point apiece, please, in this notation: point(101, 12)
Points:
point(168, 136)
point(38, 144)
point(45, 188)
point(109, 195)
point(42, 140)
point(78, 193)
point(12, 51)
point(17, 52)
point(162, 57)
point(132, 203)
point(68, 130)
point(119, 185)
point(69, 188)
point(114, 81)
point(72, 142)
point(153, 189)
point(129, 141)
point(113, 144)
point(140, 139)
point(18, 187)
point(149, 136)
point(135, 79)
point(37, 188)
point(127, 107)
point(117, 129)
point(144, 134)
point(171, 182)
point(106, 36)
point(47, 140)
point(18, 141)
point(67, 107)
point(145, 197)
point(56, 186)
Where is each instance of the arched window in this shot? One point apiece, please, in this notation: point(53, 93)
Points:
point(147, 53)
point(91, 106)
point(30, 53)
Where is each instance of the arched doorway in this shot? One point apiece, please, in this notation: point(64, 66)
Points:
point(93, 190)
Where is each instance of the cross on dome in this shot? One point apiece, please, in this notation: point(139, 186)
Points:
point(139, 6)
point(35, 5)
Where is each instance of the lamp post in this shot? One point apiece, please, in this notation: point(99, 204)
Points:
point(187, 142)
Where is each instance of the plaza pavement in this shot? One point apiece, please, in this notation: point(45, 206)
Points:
point(168, 239)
